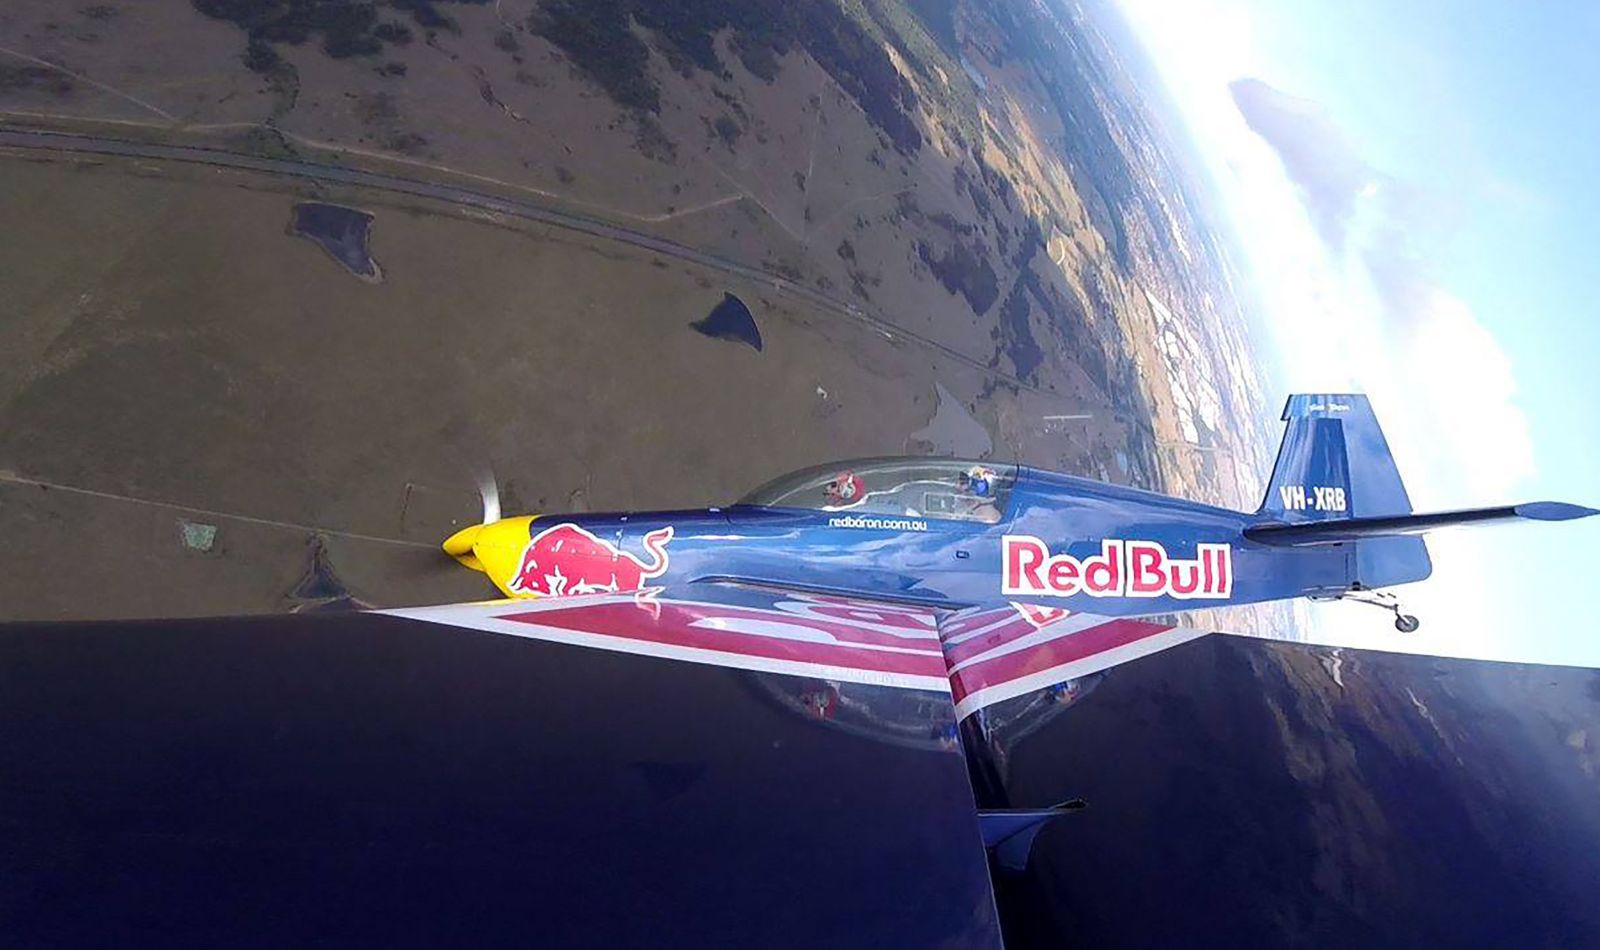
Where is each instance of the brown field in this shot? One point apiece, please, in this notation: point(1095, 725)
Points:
point(168, 351)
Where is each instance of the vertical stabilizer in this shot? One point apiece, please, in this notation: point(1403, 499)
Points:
point(1335, 464)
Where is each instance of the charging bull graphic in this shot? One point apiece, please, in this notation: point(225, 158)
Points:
point(567, 559)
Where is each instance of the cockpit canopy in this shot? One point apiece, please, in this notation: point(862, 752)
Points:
point(949, 489)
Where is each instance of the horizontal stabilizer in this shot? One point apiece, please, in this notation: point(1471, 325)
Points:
point(1345, 530)
point(1009, 834)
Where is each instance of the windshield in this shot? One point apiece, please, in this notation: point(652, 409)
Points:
point(951, 489)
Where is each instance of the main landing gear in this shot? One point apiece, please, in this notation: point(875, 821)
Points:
point(1403, 622)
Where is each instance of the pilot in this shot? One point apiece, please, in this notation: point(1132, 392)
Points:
point(843, 491)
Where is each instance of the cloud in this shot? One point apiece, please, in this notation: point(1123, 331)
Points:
point(1404, 335)
point(1466, 385)
point(1354, 292)
point(1318, 158)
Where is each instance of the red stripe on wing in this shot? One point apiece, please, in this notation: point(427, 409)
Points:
point(696, 626)
point(1069, 647)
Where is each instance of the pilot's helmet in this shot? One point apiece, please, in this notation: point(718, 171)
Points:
point(980, 481)
point(844, 487)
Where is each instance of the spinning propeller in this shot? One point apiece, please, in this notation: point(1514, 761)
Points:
point(495, 544)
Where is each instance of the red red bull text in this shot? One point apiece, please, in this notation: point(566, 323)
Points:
point(568, 559)
point(1121, 569)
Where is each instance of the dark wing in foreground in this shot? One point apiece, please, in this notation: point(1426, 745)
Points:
point(396, 779)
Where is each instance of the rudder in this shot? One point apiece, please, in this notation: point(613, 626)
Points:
point(1334, 463)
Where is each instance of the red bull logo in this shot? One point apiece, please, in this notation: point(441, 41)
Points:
point(1121, 569)
point(568, 559)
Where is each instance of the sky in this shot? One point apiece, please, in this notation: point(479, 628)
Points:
point(1414, 188)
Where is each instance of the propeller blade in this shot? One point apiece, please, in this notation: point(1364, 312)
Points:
point(489, 491)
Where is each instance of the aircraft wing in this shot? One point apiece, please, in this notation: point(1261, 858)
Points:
point(730, 626)
point(979, 656)
point(685, 769)
point(702, 764)
point(1004, 651)
point(979, 678)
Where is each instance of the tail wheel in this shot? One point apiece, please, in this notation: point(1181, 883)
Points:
point(1405, 623)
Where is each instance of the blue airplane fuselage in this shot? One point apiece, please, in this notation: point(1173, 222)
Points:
point(1088, 546)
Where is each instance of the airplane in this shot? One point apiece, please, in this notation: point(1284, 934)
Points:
point(952, 534)
point(790, 722)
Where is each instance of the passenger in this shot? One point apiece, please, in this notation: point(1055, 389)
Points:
point(979, 481)
point(977, 501)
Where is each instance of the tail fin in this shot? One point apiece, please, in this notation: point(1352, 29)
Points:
point(1334, 463)
point(1336, 484)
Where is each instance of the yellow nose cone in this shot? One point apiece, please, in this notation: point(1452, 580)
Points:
point(459, 546)
point(495, 549)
